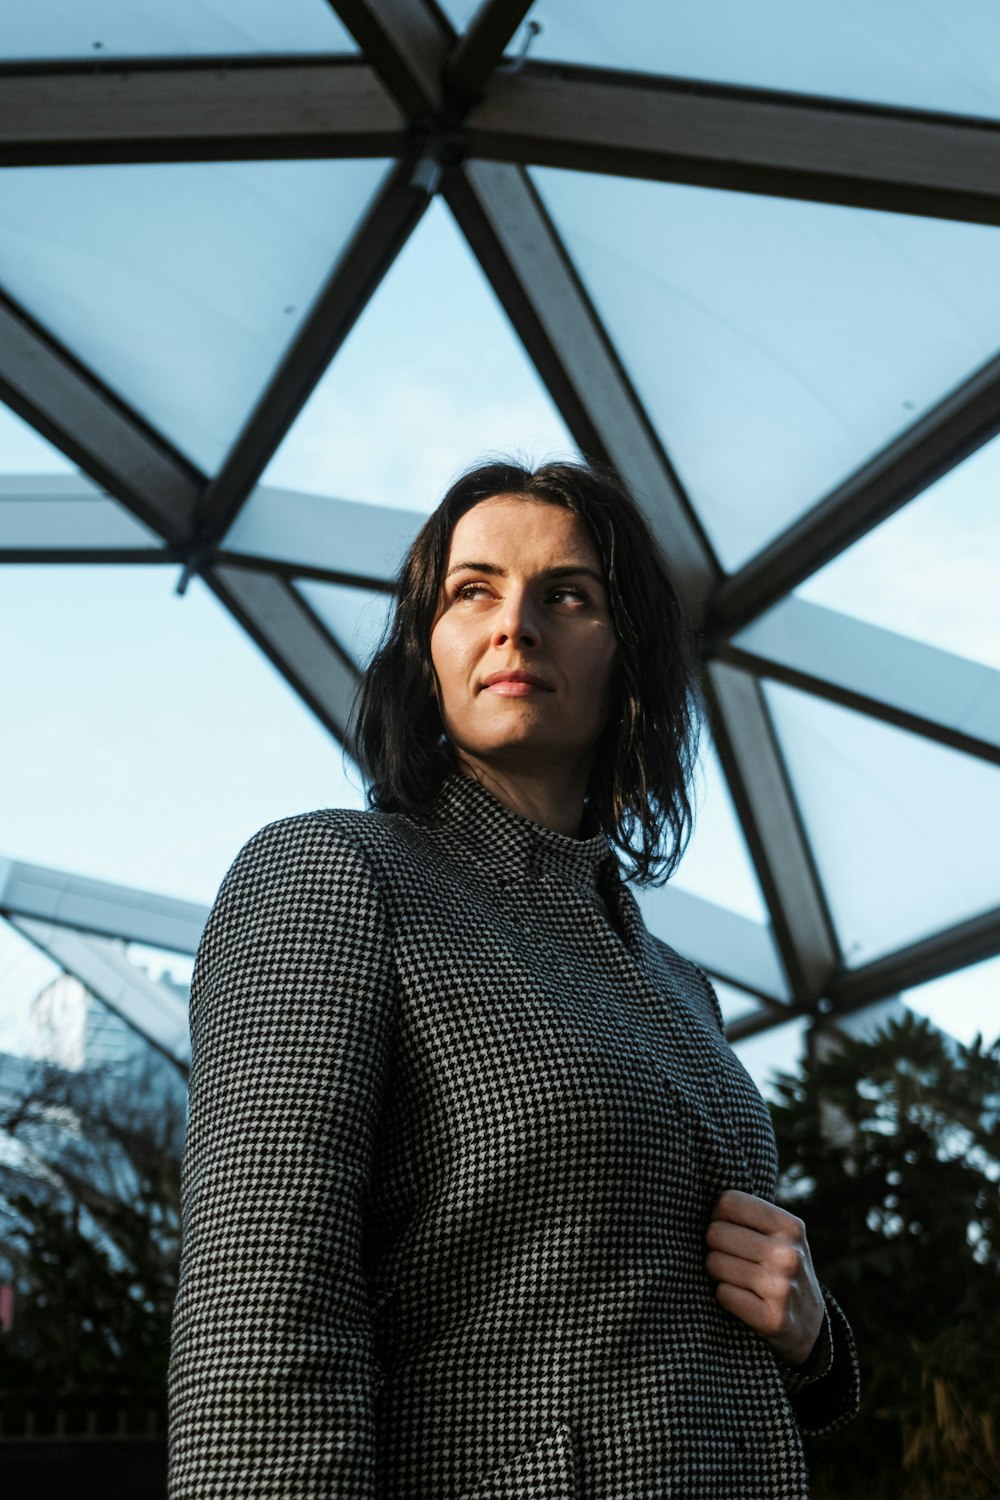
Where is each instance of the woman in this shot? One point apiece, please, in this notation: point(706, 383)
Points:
point(476, 1194)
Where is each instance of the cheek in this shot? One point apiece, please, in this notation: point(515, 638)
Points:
point(453, 659)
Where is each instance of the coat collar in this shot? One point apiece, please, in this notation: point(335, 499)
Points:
point(513, 849)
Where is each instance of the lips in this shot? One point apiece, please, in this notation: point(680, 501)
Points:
point(514, 684)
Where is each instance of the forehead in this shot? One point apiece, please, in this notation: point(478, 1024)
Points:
point(515, 530)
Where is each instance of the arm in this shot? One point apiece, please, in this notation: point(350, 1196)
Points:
point(272, 1374)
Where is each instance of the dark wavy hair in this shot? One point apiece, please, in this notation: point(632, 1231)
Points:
point(638, 790)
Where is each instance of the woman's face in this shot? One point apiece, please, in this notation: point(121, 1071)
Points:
point(523, 594)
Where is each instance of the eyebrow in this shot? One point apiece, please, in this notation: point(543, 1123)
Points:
point(565, 570)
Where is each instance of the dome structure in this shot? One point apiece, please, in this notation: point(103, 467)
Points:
point(270, 273)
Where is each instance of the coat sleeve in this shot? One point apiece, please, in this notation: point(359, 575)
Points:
point(825, 1392)
point(272, 1376)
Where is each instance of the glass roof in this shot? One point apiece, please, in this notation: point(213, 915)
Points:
point(431, 377)
point(96, 29)
point(955, 1001)
point(895, 822)
point(25, 451)
point(180, 284)
point(932, 571)
point(937, 55)
point(146, 755)
point(354, 617)
point(772, 374)
point(773, 346)
point(717, 863)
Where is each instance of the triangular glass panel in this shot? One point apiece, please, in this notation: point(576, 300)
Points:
point(896, 823)
point(773, 373)
point(964, 1004)
point(431, 378)
point(147, 755)
point(932, 571)
point(779, 1050)
point(937, 55)
point(354, 617)
point(186, 28)
point(180, 285)
point(25, 451)
point(716, 863)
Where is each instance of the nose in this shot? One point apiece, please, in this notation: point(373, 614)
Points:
point(517, 622)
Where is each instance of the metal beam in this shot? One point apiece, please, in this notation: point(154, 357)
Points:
point(956, 427)
point(891, 677)
point(376, 242)
point(406, 43)
point(748, 140)
point(344, 539)
point(292, 638)
point(196, 110)
point(765, 804)
point(477, 53)
point(39, 893)
point(967, 943)
point(46, 386)
point(156, 1013)
point(39, 512)
point(509, 230)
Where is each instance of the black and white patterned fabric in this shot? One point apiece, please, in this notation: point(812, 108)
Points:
point(457, 1125)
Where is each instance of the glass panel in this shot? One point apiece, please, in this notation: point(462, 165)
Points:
point(25, 451)
point(769, 1052)
point(431, 378)
point(895, 822)
point(147, 755)
point(940, 54)
point(962, 1004)
point(185, 28)
point(354, 617)
point(181, 285)
point(933, 569)
point(773, 373)
point(717, 863)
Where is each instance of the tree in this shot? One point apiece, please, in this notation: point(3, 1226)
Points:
point(90, 1205)
point(891, 1155)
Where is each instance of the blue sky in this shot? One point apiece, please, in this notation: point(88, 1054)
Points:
point(144, 738)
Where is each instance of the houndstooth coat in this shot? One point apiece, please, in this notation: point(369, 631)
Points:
point(457, 1124)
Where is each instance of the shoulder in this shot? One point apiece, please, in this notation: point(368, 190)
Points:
point(328, 836)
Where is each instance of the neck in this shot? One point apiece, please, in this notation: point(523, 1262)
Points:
point(552, 801)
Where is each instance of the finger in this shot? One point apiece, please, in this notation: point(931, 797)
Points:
point(746, 1306)
point(734, 1239)
point(756, 1213)
point(742, 1273)
point(783, 1259)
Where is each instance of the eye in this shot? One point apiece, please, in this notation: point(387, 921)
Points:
point(471, 590)
point(570, 593)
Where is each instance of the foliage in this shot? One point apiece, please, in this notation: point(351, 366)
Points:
point(891, 1152)
point(90, 1206)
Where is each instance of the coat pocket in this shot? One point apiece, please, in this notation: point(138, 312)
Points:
point(545, 1471)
